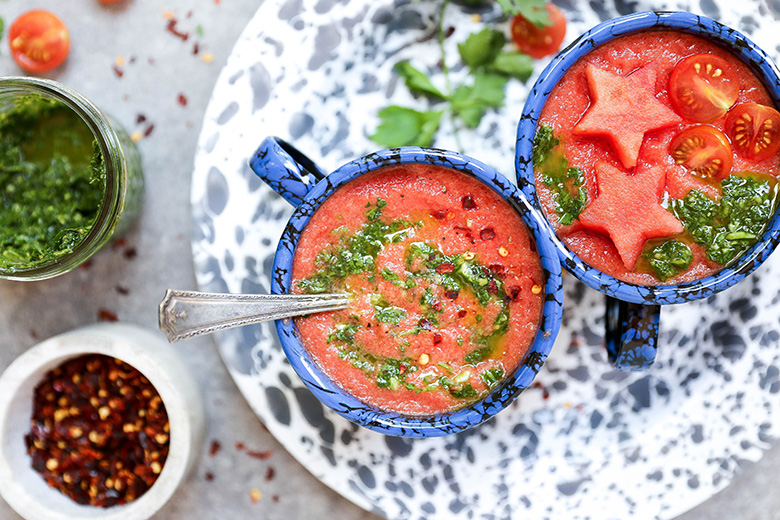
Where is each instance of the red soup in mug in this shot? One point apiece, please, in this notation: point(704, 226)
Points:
point(656, 158)
point(446, 288)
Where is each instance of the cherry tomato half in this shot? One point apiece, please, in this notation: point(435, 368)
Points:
point(703, 87)
point(536, 41)
point(704, 150)
point(39, 41)
point(754, 130)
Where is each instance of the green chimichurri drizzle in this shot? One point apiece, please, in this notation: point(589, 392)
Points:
point(731, 225)
point(669, 258)
point(356, 253)
point(52, 182)
point(567, 184)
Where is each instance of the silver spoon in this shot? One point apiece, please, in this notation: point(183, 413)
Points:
point(186, 314)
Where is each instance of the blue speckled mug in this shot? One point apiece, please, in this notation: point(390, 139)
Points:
point(633, 311)
point(291, 174)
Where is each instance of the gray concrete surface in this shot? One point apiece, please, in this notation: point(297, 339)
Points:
point(127, 62)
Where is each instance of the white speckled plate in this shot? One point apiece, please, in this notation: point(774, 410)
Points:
point(587, 440)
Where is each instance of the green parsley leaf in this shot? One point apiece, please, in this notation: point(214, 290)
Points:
point(534, 11)
point(470, 102)
point(670, 258)
point(514, 64)
point(394, 315)
point(402, 126)
point(416, 81)
point(481, 48)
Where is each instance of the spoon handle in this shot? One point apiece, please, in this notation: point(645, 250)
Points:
point(186, 314)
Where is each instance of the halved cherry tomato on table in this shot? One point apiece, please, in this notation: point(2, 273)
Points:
point(539, 41)
point(704, 150)
point(703, 87)
point(39, 41)
point(754, 130)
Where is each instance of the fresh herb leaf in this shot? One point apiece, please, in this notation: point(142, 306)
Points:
point(481, 48)
point(513, 64)
point(669, 258)
point(470, 102)
point(402, 126)
point(417, 81)
point(394, 315)
point(532, 10)
point(491, 377)
point(343, 333)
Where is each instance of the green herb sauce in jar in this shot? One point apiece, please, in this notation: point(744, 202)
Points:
point(52, 182)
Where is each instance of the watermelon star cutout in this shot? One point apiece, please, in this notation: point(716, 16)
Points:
point(623, 109)
point(628, 209)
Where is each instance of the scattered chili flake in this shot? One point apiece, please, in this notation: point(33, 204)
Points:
point(274, 498)
point(462, 313)
point(437, 338)
point(255, 495)
point(106, 315)
point(424, 359)
point(468, 202)
point(439, 214)
point(148, 130)
point(536, 289)
point(214, 447)
point(270, 473)
point(207, 57)
point(209, 476)
point(502, 251)
point(437, 306)
point(99, 431)
point(426, 324)
point(131, 253)
point(119, 72)
point(195, 48)
point(171, 28)
point(497, 270)
point(445, 267)
point(487, 233)
point(452, 294)
point(262, 455)
point(124, 291)
point(513, 292)
point(240, 446)
point(136, 136)
point(182, 99)
point(140, 118)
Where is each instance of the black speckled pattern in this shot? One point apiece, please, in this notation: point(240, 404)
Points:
point(585, 441)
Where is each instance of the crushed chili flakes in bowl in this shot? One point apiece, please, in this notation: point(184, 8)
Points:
point(100, 432)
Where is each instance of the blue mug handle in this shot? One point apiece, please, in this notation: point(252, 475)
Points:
point(631, 333)
point(287, 170)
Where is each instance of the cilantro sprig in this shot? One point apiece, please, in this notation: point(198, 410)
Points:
point(490, 67)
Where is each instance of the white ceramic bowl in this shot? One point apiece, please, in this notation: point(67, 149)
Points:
point(25, 490)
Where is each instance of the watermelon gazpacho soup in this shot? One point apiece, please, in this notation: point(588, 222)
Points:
point(445, 282)
point(656, 158)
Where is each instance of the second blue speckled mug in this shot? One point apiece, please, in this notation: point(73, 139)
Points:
point(633, 311)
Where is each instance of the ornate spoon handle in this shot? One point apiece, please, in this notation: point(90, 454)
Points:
point(186, 314)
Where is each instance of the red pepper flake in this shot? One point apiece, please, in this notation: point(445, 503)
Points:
point(106, 315)
point(182, 99)
point(440, 214)
point(513, 292)
point(131, 253)
point(497, 270)
point(148, 130)
point(270, 473)
point(437, 338)
point(487, 233)
point(171, 28)
point(240, 446)
point(492, 287)
point(140, 118)
point(261, 455)
point(99, 431)
point(462, 313)
point(119, 72)
point(124, 291)
point(195, 48)
point(274, 498)
point(426, 324)
point(214, 447)
point(468, 203)
point(452, 294)
point(445, 267)
point(209, 476)
point(437, 306)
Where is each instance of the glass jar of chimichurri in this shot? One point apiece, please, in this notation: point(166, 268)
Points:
point(70, 179)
